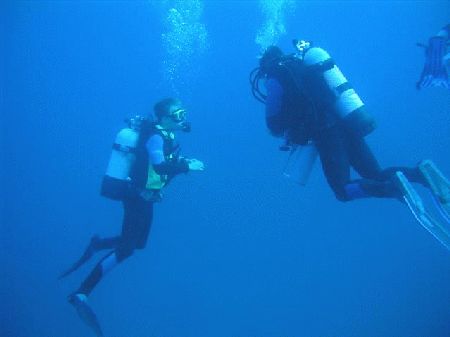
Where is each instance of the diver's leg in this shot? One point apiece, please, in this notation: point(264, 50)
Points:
point(413, 174)
point(361, 157)
point(95, 245)
point(123, 250)
point(135, 229)
point(136, 226)
point(366, 165)
point(79, 298)
point(120, 253)
point(141, 232)
point(107, 243)
point(108, 262)
point(334, 159)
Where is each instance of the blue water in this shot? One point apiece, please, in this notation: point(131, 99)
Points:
point(237, 250)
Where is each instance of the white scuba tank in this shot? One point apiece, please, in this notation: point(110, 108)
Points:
point(347, 101)
point(300, 163)
point(123, 155)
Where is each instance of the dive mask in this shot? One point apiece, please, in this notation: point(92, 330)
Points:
point(178, 115)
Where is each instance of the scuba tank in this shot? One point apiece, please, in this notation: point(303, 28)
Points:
point(122, 155)
point(300, 162)
point(116, 181)
point(346, 103)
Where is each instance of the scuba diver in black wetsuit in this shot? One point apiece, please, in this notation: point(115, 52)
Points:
point(437, 61)
point(309, 101)
point(144, 159)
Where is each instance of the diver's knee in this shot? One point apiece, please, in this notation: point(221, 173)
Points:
point(343, 197)
point(124, 253)
point(341, 194)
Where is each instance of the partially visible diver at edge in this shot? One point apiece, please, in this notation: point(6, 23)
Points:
point(437, 61)
point(145, 158)
point(309, 102)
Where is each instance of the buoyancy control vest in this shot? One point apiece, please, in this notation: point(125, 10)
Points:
point(157, 181)
point(318, 78)
point(129, 170)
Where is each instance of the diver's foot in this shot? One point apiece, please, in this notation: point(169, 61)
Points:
point(76, 299)
point(438, 184)
point(88, 253)
point(87, 315)
point(409, 194)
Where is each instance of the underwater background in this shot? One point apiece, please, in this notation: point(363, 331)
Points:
point(236, 250)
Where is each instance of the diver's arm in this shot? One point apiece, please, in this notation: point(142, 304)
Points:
point(155, 148)
point(172, 168)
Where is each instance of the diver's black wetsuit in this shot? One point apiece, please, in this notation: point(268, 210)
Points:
point(137, 220)
point(339, 150)
point(138, 212)
point(290, 115)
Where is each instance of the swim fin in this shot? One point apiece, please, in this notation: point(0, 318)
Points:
point(87, 315)
point(439, 186)
point(417, 208)
point(88, 253)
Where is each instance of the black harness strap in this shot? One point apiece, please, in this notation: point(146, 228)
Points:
point(123, 148)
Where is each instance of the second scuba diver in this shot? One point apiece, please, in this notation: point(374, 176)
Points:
point(308, 101)
point(144, 159)
point(437, 61)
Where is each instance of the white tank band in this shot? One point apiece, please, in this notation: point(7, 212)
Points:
point(348, 102)
point(334, 77)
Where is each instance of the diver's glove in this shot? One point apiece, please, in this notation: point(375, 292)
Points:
point(195, 165)
point(151, 195)
point(434, 72)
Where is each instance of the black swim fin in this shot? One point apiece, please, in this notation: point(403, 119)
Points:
point(87, 315)
point(88, 253)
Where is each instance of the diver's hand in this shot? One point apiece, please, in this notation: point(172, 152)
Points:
point(195, 165)
point(151, 195)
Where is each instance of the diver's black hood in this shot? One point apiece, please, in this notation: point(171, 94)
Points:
point(270, 58)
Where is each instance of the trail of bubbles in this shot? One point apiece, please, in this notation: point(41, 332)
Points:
point(274, 27)
point(184, 40)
